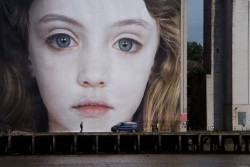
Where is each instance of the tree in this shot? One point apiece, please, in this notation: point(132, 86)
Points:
point(195, 59)
point(195, 52)
point(196, 87)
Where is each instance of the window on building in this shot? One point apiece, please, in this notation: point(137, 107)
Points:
point(242, 118)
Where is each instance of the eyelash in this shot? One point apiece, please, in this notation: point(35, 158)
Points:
point(54, 40)
point(135, 46)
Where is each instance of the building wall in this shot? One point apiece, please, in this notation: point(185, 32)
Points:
point(227, 58)
point(183, 98)
point(214, 40)
point(227, 64)
point(241, 61)
point(207, 62)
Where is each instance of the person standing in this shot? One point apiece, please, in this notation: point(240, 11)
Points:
point(81, 126)
point(158, 126)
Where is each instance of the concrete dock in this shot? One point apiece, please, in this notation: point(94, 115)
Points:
point(22, 143)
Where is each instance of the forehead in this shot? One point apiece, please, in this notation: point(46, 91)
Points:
point(92, 10)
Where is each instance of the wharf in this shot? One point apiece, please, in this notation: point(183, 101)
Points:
point(23, 143)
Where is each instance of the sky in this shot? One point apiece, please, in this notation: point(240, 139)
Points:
point(195, 21)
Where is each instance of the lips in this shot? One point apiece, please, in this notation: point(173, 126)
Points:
point(92, 109)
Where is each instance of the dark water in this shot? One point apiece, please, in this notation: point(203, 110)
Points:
point(151, 160)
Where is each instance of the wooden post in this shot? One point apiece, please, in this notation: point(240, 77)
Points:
point(54, 144)
point(159, 143)
point(118, 143)
point(96, 144)
point(75, 143)
point(138, 143)
point(199, 144)
point(220, 143)
point(9, 143)
point(240, 143)
point(33, 144)
point(179, 143)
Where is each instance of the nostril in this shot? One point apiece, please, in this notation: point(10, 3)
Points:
point(102, 84)
point(89, 84)
point(85, 83)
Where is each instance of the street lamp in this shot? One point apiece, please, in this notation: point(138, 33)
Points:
point(235, 117)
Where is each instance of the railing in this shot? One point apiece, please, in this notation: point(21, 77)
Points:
point(124, 142)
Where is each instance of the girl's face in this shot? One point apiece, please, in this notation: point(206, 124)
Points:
point(92, 60)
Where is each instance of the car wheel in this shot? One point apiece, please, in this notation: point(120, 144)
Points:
point(117, 131)
point(133, 131)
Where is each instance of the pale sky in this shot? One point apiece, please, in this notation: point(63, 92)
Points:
point(195, 21)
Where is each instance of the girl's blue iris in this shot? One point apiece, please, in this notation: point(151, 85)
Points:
point(126, 44)
point(63, 40)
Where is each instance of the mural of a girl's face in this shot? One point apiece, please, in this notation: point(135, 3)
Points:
point(92, 60)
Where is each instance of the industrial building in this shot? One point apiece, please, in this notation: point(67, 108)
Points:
point(227, 64)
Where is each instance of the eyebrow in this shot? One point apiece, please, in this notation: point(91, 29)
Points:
point(55, 17)
point(139, 22)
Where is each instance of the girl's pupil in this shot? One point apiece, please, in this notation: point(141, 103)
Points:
point(63, 41)
point(125, 44)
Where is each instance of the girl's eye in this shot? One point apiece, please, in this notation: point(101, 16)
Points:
point(127, 45)
point(61, 41)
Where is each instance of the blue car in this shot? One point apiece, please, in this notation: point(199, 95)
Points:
point(126, 126)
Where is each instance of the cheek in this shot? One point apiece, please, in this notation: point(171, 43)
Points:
point(51, 83)
point(55, 89)
point(131, 80)
point(53, 78)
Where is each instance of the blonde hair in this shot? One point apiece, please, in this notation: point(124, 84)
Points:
point(162, 95)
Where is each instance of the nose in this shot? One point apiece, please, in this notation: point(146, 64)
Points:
point(93, 72)
point(92, 80)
